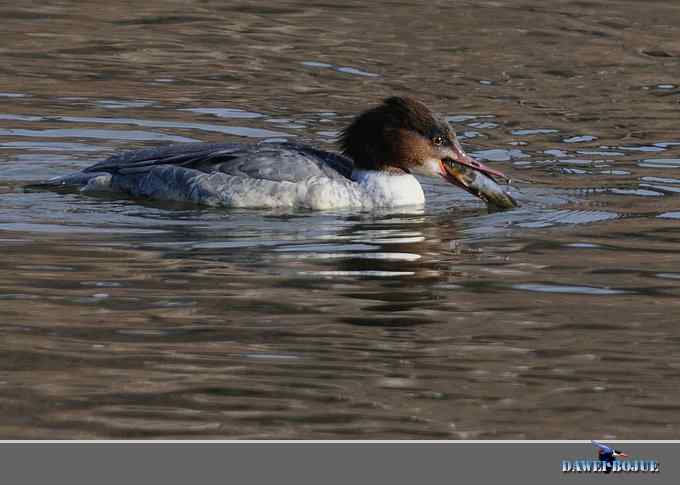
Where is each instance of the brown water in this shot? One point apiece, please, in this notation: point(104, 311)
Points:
point(124, 319)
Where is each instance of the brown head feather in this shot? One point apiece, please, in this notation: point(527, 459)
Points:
point(393, 134)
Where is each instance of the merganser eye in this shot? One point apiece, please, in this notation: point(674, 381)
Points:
point(438, 140)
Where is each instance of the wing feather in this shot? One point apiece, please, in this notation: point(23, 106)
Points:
point(276, 162)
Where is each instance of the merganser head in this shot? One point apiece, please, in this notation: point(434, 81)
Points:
point(403, 135)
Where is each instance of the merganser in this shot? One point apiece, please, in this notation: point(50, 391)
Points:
point(382, 149)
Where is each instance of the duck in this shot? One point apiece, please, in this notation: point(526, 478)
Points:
point(382, 150)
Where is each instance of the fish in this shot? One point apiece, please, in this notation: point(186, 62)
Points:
point(480, 184)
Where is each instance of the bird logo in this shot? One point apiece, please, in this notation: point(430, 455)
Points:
point(608, 455)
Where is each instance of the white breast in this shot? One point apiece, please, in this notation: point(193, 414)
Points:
point(367, 190)
point(389, 190)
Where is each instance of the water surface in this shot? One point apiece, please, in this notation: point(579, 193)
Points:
point(122, 318)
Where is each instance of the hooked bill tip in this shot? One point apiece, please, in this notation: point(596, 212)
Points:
point(478, 183)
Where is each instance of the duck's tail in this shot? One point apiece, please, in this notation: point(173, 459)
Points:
point(73, 181)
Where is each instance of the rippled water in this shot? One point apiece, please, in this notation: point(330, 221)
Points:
point(124, 318)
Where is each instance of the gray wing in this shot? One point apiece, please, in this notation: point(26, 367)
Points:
point(275, 162)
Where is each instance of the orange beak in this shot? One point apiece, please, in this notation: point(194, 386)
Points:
point(463, 158)
point(478, 179)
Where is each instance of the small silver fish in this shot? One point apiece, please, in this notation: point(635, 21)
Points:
point(480, 184)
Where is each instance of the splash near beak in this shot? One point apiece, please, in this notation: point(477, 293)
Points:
point(478, 179)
